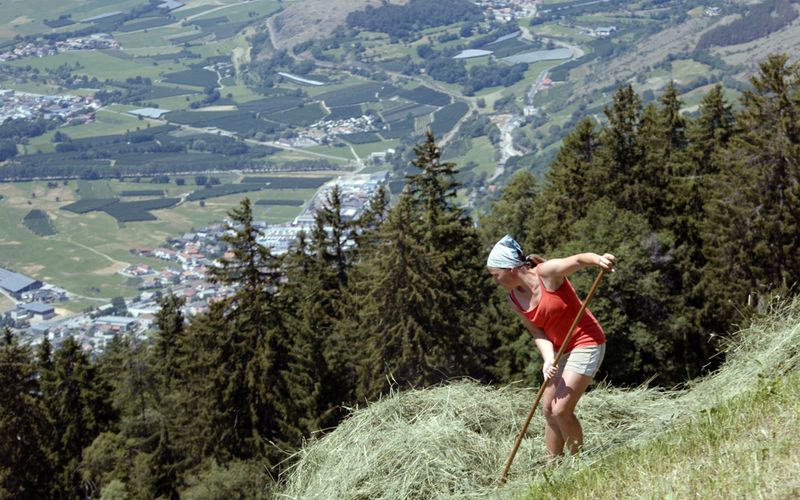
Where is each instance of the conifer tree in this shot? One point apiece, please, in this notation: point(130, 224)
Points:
point(395, 319)
point(319, 378)
point(753, 235)
point(513, 213)
point(79, 405)
point(647, 192)
point(710, 132)
point(24, 466)
point(633, 305)
point(449, 235)
point(691, 183)
point(170, 323)
point(365, 229)
point(620, 154)
point(570, 189)
point(673, 122)
point(425, 286)
point(248, 355)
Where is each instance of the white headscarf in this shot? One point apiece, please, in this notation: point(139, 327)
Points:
point(506, 254)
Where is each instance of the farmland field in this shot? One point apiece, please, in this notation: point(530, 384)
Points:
point(224, 190)
point(446, 118)
point(197, 77)
point(305, 115)
point(90, 247)
point(351, 95)
point(242, 102)
point(38, 222)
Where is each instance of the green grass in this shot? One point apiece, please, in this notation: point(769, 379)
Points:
point(64, 259)
point(364, 150)
point(106, 123)
point(241, 12)
point(94, 190)
point(338, 151)
point(730, 434)
point(745, 448)
point(481, 152)
point(27, 18)
point(156, 37)
point(684, 71)
point(100, 64)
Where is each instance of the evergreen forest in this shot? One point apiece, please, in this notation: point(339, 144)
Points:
point(701, 211)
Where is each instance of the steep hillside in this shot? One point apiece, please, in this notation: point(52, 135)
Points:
point(746, 448)
point(735, 426)
point(315, 19)
point(670, 43)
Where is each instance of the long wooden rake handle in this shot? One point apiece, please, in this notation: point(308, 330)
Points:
point(544, 384)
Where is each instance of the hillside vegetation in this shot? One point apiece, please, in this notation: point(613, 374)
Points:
point(700, 212)
point(312, 19)
point(730, 433)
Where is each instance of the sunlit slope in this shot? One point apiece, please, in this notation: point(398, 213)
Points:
point(732, 431)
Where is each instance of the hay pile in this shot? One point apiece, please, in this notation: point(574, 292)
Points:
point(452, 441)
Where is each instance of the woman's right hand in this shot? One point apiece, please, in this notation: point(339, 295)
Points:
point(549, 370)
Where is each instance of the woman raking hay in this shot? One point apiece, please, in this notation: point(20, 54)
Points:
point(544, 299)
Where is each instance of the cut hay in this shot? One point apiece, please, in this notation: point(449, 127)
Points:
point(452, 441)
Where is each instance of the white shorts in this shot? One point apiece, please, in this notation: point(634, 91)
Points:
point(583, 360)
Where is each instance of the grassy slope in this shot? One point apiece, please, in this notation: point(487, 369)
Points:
point(746, 448)
point(729, 434)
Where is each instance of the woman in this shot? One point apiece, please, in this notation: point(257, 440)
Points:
point(543, 298)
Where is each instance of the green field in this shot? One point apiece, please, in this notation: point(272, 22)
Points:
point(27, 18)
point(107, 122)
point(481, 152)
point(101, 65)
point(90, 248)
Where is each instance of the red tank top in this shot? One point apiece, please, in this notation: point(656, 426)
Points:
point(555, 313)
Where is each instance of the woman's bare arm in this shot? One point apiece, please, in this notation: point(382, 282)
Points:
point(554, 271)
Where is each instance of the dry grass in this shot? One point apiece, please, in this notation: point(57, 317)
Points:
point(452, 441)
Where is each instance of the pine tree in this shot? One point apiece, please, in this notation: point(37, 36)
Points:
point(396, 315)
point(620, 154)
point(244, 389)
point(514, 213)
point(424, 287)
point(170, 323)
point(753, 235)
point(570, 189)
point(319, 379)
point(691, 182)
point(632, 305)
point(449, 236)
point(673, 122)
point(710, 132)
point(252, 266)
point(647, 191)
point(24, 466)
point(365, 229)
point(79, 405)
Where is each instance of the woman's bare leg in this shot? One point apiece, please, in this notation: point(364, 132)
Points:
point(553, 439)
point(568, 391)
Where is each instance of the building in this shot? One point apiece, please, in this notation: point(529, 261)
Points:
point(44, 311)
point(116, 323)
point(148, 112)
point(605, 30)
point(16, 284)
